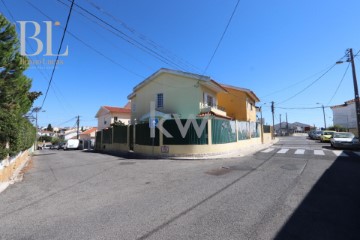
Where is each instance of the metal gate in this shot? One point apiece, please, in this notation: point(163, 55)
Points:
point(131, 137)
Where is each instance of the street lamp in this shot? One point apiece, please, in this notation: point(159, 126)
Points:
point(322, 105)
point(356, 91)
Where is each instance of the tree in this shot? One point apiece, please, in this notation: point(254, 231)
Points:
point(49, 128)
point(15, 98)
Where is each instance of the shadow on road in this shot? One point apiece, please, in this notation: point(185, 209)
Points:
point(331, 210)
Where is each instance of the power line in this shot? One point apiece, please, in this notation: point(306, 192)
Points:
point(222, 36)
point(143, 37)
point(89, 46)
point(347, 68)
point(297, 83)
point(298, 108)
point(57, 57)
point(308, 86)
point(129, 39)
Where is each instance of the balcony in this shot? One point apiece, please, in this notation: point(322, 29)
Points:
point(218, 110)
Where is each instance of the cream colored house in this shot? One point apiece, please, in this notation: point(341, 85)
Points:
point(176, 92)
point(108, 115)
point(88, 134)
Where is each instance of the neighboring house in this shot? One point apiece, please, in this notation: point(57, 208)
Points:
point(108, 115)
point(88, 134)
point(46, 133)
point(239, 103)
point(345, 114)
point(176, 92)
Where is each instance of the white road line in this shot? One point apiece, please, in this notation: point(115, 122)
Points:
point(319, 152)
point(340, 153)
point(268, 150)
point(283, 150)
point(300, 151)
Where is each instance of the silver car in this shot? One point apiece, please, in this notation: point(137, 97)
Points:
point(344, 140)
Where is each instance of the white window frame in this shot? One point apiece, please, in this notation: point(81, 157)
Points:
point(206, 95)
point(157, 100)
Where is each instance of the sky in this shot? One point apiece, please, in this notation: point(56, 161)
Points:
point(284, 51)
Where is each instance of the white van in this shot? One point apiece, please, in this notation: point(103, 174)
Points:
point(73, 144)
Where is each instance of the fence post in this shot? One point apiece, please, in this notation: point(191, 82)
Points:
point(209, 132)
point(237, 130)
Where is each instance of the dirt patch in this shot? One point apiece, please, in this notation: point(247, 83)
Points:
point(27, 167)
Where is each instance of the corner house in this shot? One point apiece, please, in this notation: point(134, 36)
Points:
point(180, 114)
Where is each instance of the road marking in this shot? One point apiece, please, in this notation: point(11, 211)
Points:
point(319, 152)
point(300, 151)
point(340, 153)
point(268, 150)
point(283, 150)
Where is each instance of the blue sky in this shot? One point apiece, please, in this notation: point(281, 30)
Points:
point(275, 48)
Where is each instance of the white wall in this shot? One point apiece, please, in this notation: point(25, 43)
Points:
point(345, 116)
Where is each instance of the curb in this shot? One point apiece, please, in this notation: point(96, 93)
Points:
point(16, 177)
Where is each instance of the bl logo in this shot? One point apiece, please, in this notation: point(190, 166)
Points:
point(39, 42)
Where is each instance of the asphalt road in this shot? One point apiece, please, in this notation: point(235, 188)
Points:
point(297, 189)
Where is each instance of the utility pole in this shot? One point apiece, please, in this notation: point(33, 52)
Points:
point(273, 111)
point(356, 91)
point(78, 125)
point(287, 125)
point(280, 122)
point(324, 116)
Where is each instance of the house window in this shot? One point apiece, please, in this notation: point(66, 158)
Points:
point(209, 100)
point(160, 100)
point(115, 119)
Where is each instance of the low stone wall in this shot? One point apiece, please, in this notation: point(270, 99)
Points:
point(9, 166)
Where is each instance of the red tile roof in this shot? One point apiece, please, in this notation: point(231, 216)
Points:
point(117, 109)
point(89, 131)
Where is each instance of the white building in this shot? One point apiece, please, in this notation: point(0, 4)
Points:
point(108, 115)
point(345, 115)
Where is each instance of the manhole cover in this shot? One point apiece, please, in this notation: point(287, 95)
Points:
point(290, 167)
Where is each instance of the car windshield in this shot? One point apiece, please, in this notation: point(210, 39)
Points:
point(344, 135)
point(329, 133)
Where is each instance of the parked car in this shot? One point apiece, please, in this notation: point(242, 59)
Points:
point(344, 140)
point(73, 144)
point(326, 136)
point(61, 145)
point(317, 135)
point(47, 146)
point(310, 133)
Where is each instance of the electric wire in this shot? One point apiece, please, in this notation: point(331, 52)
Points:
point(332, 97)
point(87, 45)
point(57, 57)
point(144, 38)
point(129, 39)
point(42, 73)
point(297, 83)
point(308, 86)
point(222, 36)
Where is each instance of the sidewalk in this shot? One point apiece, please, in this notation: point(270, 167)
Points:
point(240, 153)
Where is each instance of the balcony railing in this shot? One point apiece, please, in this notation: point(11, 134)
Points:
point(204, 107)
